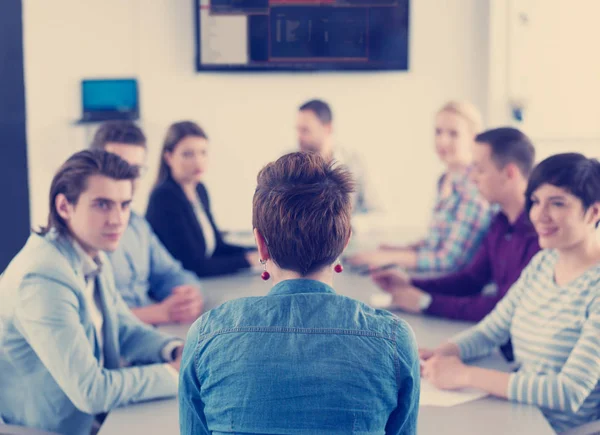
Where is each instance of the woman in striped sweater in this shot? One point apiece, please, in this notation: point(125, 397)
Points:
point(552, 313)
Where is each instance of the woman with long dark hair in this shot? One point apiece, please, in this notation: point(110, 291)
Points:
point(179, 206)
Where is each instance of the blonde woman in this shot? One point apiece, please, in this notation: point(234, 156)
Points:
point(461, 215)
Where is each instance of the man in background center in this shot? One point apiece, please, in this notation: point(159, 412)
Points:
point(314, 126)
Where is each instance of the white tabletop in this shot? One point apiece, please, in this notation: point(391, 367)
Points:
point(487, 416)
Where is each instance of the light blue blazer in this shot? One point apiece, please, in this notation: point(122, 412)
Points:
point(50, 376)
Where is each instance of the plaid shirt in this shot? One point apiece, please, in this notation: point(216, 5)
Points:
point(457, 227)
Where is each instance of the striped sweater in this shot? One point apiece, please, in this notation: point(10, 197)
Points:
point(555, 332)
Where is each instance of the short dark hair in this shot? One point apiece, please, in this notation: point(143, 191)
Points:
point(175, 134)
point(302, 207)
point(509, 145)
point(320, 108)
point(71, 180)
point(125, 132)
point(573, 172)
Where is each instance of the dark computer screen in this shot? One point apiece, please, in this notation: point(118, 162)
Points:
point(302, 34)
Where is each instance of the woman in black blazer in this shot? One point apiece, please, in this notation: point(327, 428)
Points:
point(179, 208)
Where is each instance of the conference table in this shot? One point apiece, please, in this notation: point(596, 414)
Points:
point(489, 416)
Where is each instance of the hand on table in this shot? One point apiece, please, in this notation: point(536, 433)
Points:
point(184, 305)
point(397, 283)
point(446, 350)
point(446, 372)
point(391, 280)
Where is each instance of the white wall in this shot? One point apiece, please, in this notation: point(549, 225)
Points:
point(542, 57)
point(249, 118)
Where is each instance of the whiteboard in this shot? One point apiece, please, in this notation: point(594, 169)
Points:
point(554, 66)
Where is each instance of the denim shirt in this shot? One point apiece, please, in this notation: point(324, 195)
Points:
point(301, 360)
point(145, 272)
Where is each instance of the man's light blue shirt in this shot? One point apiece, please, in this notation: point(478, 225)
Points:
point(145, 272)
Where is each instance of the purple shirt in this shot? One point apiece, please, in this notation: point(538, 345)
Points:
point(504, 253)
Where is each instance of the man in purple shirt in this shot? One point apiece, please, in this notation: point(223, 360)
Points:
point(503, 160)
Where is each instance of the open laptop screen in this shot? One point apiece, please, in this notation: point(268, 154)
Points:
point(109, 95)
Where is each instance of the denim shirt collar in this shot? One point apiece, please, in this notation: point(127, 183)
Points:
point(298, 286)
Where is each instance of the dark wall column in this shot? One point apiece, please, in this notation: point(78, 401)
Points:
point(14, 190)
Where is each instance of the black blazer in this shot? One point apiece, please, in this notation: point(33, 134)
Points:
point(174, 221)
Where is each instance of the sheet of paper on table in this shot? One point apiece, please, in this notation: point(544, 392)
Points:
point(432, 396)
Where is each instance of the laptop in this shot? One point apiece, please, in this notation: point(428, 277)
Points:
point(109, 100)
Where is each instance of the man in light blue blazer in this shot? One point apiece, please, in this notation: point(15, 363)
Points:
point(64, 328)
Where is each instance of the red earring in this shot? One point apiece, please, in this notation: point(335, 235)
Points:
point(265, 275)
point(338, 268)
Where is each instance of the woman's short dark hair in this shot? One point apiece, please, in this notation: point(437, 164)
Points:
point(125, 132)
point(71, 180)
point(573, 172)
point(175, 134)
point(302, 208)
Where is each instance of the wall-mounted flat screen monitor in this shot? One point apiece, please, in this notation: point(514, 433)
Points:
point(301, 35)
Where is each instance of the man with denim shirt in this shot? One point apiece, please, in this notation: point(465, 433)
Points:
point(153, 284)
